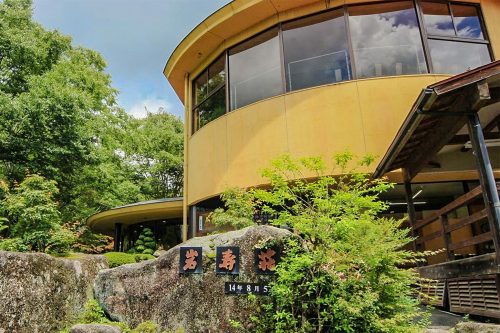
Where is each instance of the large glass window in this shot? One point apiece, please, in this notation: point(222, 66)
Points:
point(437, 18)
point(454, 30)
point(466, 20)
point(386, 39)
point(444, 19)
point(209, 91)
point(316, 51)
point(255, 69)
point(358, 41)
point(448, 56)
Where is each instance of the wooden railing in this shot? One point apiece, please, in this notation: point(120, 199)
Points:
point(446, 229)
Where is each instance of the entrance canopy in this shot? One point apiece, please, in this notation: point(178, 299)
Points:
point(440, 116)
point(162, 209)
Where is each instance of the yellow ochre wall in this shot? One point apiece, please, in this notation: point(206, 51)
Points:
point(362, 115)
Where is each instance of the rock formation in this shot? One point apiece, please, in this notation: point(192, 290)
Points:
point(40, 293)
point(154, 290)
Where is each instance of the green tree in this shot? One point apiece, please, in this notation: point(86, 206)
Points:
point(344, 274)
point(32, 211)
point(59, 120)
point(155, 148)
point(146, 243)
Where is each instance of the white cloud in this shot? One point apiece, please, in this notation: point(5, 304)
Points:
point(140, 109)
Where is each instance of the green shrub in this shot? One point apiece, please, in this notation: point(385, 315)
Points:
point(150, 245)
point(93, 313)
point(116, 259)
point(142, 257)
point(146, 243)
point(146, 327)
point(13, 244)
point(60, 242)
point(343, 275)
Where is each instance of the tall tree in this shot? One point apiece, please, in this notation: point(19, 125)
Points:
point(59, 119)
point(155, 149)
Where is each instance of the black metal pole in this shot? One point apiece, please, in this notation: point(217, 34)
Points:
point(192, 222)
point(487, 179)
point(118, 236)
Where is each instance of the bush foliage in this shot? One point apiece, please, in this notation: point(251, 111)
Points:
point(343, 274)
point(146, 243)
point(116, 259)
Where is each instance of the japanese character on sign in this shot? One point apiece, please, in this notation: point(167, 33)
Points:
point(227, 260)
point(266, 260)
point(190, 260)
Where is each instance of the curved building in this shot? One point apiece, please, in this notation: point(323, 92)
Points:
point(415, 82)
point(260, 78)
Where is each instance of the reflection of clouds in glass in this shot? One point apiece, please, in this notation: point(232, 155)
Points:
point(468, 27)
point(384, 46)
point(439, 25)
point(448, 57)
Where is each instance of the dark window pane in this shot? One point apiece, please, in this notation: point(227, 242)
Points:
point(466, 21)
point(316, 51)
point(386, 40)
point(437, 19)
point(448, 56)
point(217, 74)
point(255, 69)
point(212, 108)
point(200, 88)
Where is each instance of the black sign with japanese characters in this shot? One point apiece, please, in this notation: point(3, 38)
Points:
point(227, 260)
point(243, 288)
point(190, 260)
point(266, 260)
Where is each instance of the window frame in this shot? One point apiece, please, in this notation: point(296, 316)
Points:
point(425, 37)
point(195, 126)
point(282, 59)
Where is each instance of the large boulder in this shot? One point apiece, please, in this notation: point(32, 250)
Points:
point(154, 290)
point(471, 327)
point(40, 293)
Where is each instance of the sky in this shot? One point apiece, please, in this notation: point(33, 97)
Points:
point(136, 37)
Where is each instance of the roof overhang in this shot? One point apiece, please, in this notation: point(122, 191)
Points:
point(217, 32)
point(163, 209)
point(440, 112)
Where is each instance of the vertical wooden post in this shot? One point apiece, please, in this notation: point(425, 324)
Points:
point(487, 179)
point(446, 236)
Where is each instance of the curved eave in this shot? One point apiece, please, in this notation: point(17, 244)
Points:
point(104, 222)
point(217, 31)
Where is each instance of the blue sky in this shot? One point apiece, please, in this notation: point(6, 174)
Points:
point(135, 37)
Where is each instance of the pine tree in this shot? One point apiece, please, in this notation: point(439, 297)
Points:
point(146, 243)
